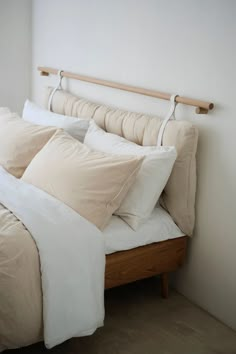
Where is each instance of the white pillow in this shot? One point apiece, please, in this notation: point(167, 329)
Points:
point(150, 180)
point(4, 110)
point(76, 127)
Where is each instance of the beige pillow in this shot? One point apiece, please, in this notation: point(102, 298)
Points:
point(20, 141)
point(92, 183)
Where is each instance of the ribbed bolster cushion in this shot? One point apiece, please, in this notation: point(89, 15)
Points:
point(178, 197)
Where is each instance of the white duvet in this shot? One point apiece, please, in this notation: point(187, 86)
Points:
point(72, 259)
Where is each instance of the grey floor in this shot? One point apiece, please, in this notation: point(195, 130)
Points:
point(138, 321)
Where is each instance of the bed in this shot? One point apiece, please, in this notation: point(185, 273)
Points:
point(158, 248)
point(178, 198)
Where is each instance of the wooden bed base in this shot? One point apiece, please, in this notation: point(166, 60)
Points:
point(144, 262)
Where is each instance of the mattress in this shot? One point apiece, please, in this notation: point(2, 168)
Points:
point(159, 227)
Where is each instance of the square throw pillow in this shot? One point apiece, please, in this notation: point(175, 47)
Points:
point(92, 183)
point(20, 141)
point(151, 178)
point(76, 127)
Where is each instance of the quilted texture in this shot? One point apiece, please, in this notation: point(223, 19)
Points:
point(178, 197)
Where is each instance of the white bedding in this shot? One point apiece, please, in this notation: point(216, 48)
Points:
point(159, 227)
point(72, 257)
point(72, 260)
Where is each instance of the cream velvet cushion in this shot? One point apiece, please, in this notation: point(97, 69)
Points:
point(151, 179)
point(92, 183)
point(20, 141)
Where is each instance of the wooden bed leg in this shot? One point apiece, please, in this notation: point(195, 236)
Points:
point(164, 285)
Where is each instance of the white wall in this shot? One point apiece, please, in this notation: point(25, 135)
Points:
point(15, 53)
point(185, 47)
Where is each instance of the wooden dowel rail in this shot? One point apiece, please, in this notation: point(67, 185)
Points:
point(202, 106)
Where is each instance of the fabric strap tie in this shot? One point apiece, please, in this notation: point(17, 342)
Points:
point(58, 87)
point(169, 116)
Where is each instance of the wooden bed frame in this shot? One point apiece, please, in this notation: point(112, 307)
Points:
point(158, 258)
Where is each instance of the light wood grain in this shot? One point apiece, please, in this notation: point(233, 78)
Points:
point(202, 106)
point(144, 262)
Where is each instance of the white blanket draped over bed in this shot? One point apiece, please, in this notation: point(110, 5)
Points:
point(72, 260)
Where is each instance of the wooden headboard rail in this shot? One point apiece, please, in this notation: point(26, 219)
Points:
point(202, 107)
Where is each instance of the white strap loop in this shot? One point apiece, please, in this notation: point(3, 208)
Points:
point(58, 87)
point(170, 114)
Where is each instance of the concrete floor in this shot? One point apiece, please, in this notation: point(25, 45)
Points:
point(138, 321)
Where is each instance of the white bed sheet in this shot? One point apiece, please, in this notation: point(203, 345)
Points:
point(160, 227)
